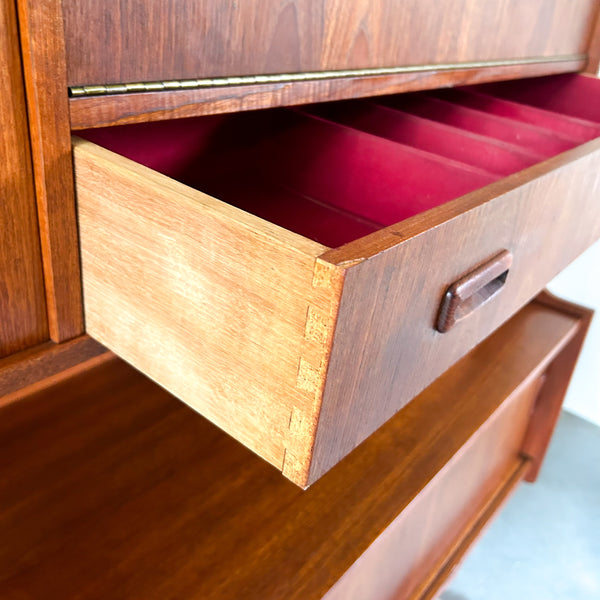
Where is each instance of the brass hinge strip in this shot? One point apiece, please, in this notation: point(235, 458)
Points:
point(283, 78)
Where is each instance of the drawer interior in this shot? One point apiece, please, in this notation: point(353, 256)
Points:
point(336, 172)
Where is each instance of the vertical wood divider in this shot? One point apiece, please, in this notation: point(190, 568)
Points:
point(44, 63)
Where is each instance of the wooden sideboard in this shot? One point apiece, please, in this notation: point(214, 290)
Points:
point(367, 342)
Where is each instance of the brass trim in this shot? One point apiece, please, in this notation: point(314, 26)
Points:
point(282, 78)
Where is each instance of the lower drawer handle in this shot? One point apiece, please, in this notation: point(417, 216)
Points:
point(473, 290)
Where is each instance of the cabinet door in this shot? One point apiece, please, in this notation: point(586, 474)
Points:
point(142, 41)
point(23, 320)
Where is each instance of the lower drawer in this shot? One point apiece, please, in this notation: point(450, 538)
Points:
point(354, 253)
point(134, 496)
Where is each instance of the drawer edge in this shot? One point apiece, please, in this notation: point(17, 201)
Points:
point(213, 304)
point(391, 299)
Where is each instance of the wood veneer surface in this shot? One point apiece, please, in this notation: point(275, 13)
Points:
point(43, 50)
point(141, 107)
point(113, 489)
point(238, 312)
point(134, 40)
point(42, 364)
point(394, 566)
point(557, 377)
point(23, 320)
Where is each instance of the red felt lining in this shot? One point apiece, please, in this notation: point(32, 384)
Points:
point(576, 130)
point(168, 147)
point(337, 172)
point(535, 139)
point(491, 155)
point(322, 222)
point(574, 95)
point(364, 174)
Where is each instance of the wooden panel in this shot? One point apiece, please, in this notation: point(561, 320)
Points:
point(546, 216)
point(593, 65)
point(23, 320)
point(229, 312)
point(134, 40)
point(432, 585)
point(135, 496)
point(119, 109)
point(394, 566)
point(40, 366)
point(42, 45)
point(557, 377)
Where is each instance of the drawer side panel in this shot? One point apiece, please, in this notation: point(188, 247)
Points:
point(192, 292)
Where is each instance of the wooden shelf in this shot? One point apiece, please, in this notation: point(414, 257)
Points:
point(112, 488)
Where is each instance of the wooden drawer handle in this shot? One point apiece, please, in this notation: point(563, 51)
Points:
point(473, 290)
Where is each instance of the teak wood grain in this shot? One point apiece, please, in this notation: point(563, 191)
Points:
point(393, 568)
point(136, 41)
point(251, 315)
point(229, 312)
point(42, 46)
point(593, 64)
point(398, 276)
point(120, 109)
point(431, 585)
point(41, 366)
point(135, 496)
point(23, 319)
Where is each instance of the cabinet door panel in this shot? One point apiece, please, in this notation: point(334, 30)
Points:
point(137, 40)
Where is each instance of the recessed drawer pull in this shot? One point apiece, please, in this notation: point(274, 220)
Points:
point(473, 290)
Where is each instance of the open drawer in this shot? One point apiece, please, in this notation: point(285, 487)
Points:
point(298, 276)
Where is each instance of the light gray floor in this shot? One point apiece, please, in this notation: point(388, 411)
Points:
point(545, 544)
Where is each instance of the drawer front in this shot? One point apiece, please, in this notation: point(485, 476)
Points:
point(298, 349)
point(141, 41)
point(386, 347)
